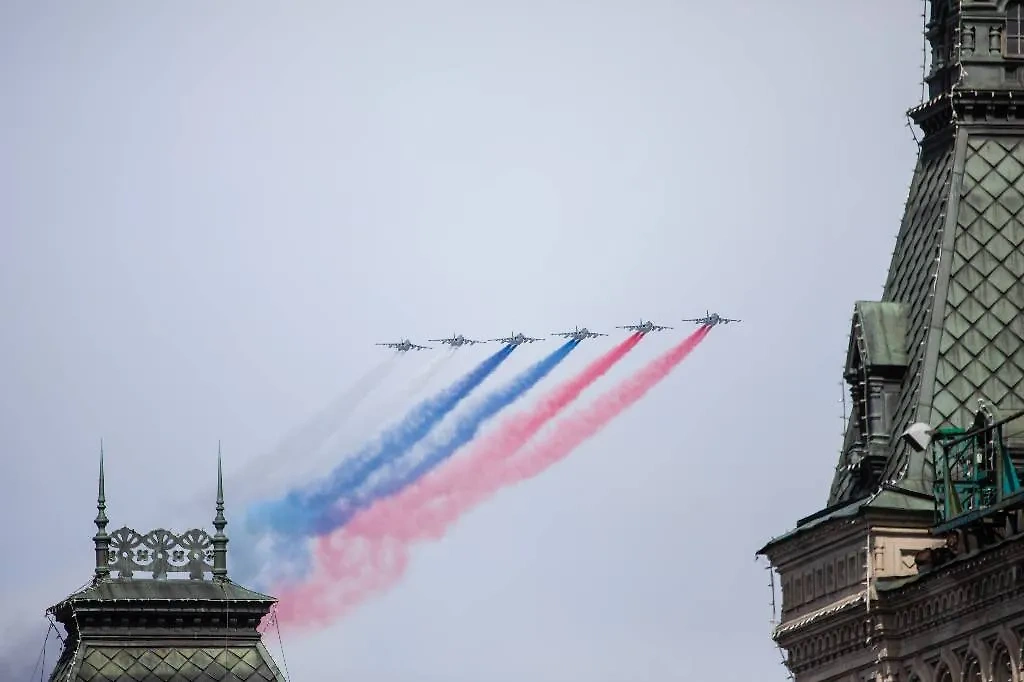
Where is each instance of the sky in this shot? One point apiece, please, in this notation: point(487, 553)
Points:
point(209, 213)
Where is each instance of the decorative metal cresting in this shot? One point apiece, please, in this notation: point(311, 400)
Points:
point(160, 552)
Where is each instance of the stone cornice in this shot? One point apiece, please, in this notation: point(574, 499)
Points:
point(801, 545)
point(818, 615)
point(842, 632)
point(954, 592)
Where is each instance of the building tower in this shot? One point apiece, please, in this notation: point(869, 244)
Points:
point(914, 570)
point(187, 622)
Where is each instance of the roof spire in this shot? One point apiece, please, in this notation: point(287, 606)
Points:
point(101, 540)
point(220, 540)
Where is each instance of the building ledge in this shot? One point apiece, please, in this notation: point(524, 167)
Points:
point(843, 604)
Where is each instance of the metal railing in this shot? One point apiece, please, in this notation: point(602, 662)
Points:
point(974, 473)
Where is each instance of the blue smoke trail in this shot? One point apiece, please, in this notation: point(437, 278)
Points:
point(308, 438)
point(292, 514)
point(465, 430)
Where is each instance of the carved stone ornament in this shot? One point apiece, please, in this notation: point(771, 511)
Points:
point(161, 552)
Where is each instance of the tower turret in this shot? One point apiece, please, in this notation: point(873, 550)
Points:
point(868, 581)
point(184, 621)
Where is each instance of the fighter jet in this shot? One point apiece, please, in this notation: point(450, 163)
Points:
point(579, 334)
point(516, 339)
point(644, 327)
point(710, 319)
point(404, 345)
point(457, 340)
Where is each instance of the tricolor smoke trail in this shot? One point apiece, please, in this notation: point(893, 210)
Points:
point(316, 461)
point(370, 554)
point(294, 513)
point(403, 473)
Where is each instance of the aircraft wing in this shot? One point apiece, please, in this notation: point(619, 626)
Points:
point(420, 347)
point(695, 319)
point(632, 327)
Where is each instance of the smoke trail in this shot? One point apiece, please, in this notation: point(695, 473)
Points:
point(383, 412)
point(305, 438)
point(402, 473)
point(371, 553)
point(416, 385)
point(259, 558)
point(518, 430)
point(423, 380)
point(293, 513)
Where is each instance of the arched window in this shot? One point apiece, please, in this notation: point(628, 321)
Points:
point(972, 669)
point(1002, 667)
point(943, 674)
point(1013, 36)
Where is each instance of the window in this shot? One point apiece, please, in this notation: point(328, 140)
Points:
point(1002, 668)
point(972, 671)
point(1014, 33)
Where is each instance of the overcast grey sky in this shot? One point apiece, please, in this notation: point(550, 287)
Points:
point(211, 211)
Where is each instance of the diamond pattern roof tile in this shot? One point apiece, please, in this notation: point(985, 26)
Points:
point(978, 352)
point(178, 664)
point(911, 275)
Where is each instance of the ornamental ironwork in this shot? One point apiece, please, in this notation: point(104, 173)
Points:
point(161, 552)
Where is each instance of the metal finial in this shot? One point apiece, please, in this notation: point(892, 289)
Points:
point(101, 498)
point(220, 540)
point(101, 540)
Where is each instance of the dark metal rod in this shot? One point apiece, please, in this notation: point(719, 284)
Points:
point(977, 432)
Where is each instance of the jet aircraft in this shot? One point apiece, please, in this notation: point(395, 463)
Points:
point(457, 340)
point(404, 345)
point(516, 339)
point(579, 334)
point(644, 327)
point(710, 319)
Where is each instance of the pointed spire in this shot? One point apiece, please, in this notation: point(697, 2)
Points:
point(219, 521)
point(101, 540)
point(220, 540)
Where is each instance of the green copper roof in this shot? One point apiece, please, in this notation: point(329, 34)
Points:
point(957, 271)
point(883, 499)
point(909, 284)
point(160, 630)
point(884, 331)
point(163, 590)
point(98, 663)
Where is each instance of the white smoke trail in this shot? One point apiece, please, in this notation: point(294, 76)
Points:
point(334, 449)
point(253, 478)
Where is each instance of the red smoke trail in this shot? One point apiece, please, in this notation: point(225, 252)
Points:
point(370, 553)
